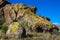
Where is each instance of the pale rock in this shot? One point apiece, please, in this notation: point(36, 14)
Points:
point(7, 9)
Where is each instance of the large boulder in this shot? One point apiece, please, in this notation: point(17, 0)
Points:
point(14, 30)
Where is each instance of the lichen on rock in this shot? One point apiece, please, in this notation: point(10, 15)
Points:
point(14, 26)
point(14, 29)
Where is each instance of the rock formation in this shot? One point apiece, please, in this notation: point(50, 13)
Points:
point(22, 19)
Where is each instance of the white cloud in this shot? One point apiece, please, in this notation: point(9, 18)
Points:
point(56, 23)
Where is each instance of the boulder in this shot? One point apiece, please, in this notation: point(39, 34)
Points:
point(14, 30)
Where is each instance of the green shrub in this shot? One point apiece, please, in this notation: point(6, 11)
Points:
point(4, 28)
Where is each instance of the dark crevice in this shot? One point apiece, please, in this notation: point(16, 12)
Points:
point(23, 33)
point(52, 30)
point(39, 29)
point(15, 18)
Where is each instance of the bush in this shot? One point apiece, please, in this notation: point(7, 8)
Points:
point(4, 27)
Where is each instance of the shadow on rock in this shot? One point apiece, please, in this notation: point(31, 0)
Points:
point(23, 35)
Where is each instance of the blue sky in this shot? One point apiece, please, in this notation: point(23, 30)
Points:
point(48, 8)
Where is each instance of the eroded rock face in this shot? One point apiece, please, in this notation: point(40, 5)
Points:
point(2, 10)
point(7, 9)
point(22, 20)
point(3, 3)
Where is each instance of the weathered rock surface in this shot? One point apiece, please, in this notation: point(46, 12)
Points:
point(22, 20)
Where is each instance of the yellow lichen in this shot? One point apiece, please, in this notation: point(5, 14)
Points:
point(14, 26)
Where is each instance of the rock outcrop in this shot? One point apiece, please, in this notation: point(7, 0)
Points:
point(22, 19)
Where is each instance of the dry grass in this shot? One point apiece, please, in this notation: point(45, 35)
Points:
point(36, 36)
